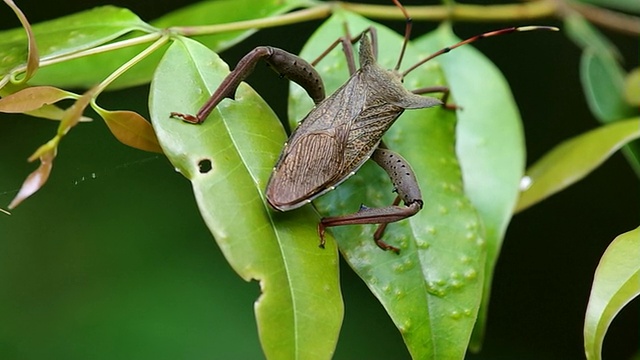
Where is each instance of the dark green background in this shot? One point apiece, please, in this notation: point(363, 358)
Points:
point(112, 260)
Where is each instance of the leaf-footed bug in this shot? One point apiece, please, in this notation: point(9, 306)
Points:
point(345, 129)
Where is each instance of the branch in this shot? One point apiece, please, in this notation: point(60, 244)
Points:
point(536, 9)
point(461, 12)
point(613, 20)
point(314, 13)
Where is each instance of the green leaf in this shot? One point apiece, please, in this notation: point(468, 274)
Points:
point(573, 159)
point(601, 74)
point(228, 160)
point(203, 13)
point(585, 35)
point(603, 83)
point(90, 70)
point(603, 79)
point(67, 35)
point(433, 288)
point(489, 143)
point(615, 284)
point(632, 87)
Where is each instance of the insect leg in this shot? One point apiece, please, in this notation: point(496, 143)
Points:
point(347, 46)
point(405, 184)
point(286, 64)
point(377, 236)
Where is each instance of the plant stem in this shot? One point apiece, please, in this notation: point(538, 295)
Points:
point(460, 12)
point(103, 48)
point(610, 19)
point(136, 59)
point(535, 9)
point(314, 13)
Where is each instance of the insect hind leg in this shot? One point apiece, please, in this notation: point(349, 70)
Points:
point(406, 186)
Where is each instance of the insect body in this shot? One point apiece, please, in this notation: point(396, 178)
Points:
point(342, 131)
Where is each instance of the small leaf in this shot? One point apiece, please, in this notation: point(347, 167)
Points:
point(49, 146)
point(603, 83)
point(615, 284)
point(39, 177)
point(130, 128)
point(73, 114)
point(601, 74)
point(585, 35)
point(33, 58)
point(33, 98)
point(574, 159)
point(228, 160)
point(602, 78)
point(632, 87)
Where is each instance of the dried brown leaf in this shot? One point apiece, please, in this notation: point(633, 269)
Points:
point(131, 129)
point(36, 179)
point(33, 98)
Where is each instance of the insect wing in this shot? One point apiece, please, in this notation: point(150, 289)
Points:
point(312, 162)
point(306, 169)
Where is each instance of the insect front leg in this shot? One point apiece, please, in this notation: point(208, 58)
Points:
point(405, 184)
point(286, 64)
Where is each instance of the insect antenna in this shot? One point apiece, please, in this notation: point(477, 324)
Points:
point(476, 38)
point(407, 32)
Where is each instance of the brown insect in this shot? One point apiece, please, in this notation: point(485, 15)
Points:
point(345, 129)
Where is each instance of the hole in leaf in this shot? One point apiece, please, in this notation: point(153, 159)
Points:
point(204, 166)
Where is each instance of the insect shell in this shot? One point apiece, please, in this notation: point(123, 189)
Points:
point(340, 134)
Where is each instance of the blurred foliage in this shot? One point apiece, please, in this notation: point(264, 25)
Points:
point(475, 165)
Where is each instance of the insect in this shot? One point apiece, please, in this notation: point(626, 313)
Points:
point(343, 130)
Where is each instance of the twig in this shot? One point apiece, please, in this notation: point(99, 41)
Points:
point(318, 12)
point(460, 12)
point(613, 20)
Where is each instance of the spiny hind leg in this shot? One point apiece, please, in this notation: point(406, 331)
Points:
point(405, 184)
